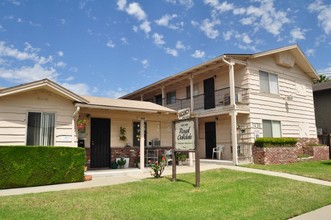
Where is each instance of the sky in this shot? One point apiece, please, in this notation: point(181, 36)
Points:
point(112, 47)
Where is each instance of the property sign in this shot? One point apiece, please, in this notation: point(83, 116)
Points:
point(185, 135)
point(184, 114)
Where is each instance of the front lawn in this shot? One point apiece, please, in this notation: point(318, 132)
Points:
point(224, 194)
point(315, 169)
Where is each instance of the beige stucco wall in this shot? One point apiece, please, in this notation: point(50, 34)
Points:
point(159, 126)
point(14, 112)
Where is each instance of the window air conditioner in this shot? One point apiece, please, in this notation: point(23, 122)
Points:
point(239, 99)
point(156, 143)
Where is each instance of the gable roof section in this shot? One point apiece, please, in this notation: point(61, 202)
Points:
point(42, 84)
point(300, 60)
point(124, 105)
point(322, 86)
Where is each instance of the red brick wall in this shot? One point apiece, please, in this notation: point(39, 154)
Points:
point(321, 152)
point(275, 155)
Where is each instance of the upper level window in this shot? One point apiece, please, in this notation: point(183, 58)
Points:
point(195, 90)
point(271, 128)
point(158, 99)
point(171, 97)
point(40, 129)
point(268, 82)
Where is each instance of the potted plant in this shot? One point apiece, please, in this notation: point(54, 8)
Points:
point(114, 165)
point(121, 162)
point(180, 158)
point(122, 134)
point(81, 123)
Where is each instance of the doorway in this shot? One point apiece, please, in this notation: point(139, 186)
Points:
point(100, 142)
point(209, 93)
point(210, 138)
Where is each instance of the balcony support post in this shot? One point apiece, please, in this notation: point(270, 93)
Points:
point(233, 112)
point(191, 93)
point(142, 143)
point(163, 96)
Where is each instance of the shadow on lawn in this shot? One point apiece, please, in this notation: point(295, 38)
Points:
point(180, 180)
point(328, 162)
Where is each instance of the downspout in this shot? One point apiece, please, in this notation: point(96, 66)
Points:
point(73, 125)
point(233, 113)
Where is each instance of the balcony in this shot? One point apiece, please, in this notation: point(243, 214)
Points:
point(222, 99)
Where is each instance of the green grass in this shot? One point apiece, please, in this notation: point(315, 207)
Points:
point(224, 194)
point(315, 169)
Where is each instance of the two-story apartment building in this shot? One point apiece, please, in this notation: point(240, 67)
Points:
point(239, 97)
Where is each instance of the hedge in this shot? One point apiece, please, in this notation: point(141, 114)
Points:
point(275, 142)
point(23, 166)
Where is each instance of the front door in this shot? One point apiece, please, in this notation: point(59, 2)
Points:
point(100, 142)
point(210, 138)
point(209, 93)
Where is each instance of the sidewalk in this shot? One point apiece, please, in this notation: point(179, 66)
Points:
point(106, 178)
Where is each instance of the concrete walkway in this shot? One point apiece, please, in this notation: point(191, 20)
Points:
point(113, 177)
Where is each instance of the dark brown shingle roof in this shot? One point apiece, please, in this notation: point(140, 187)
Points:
point(322, 86)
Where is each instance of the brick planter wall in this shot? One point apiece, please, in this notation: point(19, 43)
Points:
point(130, 152)
point(275, 155)
point(321, 152)
point(285, 155)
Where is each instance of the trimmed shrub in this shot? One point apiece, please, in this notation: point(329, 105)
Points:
point(23, 166)
point(276, 142)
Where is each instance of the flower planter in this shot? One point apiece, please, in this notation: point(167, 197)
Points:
point(127, 162)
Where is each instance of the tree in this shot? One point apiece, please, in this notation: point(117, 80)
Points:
point(323, 78)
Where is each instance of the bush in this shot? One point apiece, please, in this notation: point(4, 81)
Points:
point(275, 142)
point(23, 166)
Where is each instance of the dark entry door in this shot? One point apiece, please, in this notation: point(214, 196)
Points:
point(210, 136)
point(209, 91)
point(100, 142)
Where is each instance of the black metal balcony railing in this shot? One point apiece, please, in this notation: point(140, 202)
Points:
point(222, 98)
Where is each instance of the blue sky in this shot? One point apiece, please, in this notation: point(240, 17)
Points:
point(110, 48)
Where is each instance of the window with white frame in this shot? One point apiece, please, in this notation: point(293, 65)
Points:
point(171, 97)
point(40, 130)
point(271, 128)
point(268, 82)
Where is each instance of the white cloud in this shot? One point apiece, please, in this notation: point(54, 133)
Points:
point(116, 93)
point(187, 3)
point(227, 35)
point(15, 2)
point(110, 44)
point(60, 53)
point(121, 4)
point(165, 21)
point(324, 15)
point(180, 45)
point(297, 34)
point(124, 40)
point(145, 26)
point(243, 37)
point(70, 78)
point(27, 74)
point(208, 27)
point(198, 54)
point(10, 51)
point(134, 9)
point(145, 63)
point(158, 39)
point(219, 7)
point(172, 52)
point(265, 16)
point(61, 64)
point(310, 52)
point(78, 88)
